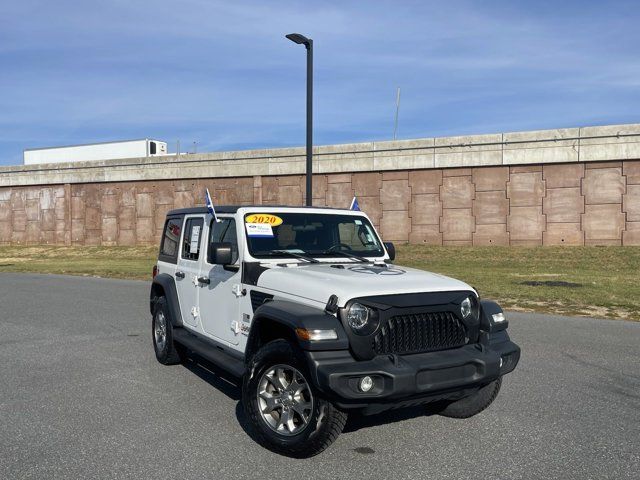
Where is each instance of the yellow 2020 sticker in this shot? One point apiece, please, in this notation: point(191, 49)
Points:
point(272, 220)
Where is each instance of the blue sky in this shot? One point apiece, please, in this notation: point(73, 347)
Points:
point(221, 72)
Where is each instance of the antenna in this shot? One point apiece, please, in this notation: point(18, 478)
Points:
point(178, 148)
point(395, 123)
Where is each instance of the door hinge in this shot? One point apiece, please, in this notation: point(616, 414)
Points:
point(195, 312)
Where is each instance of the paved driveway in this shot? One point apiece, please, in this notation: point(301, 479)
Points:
point(82, 396)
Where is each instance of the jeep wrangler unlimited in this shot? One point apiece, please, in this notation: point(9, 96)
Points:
point(305, 308)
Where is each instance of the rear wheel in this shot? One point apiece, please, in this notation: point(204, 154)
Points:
point(166, 351)
point(285, 411)
point(472, 405)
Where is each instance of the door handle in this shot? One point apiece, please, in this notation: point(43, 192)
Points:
point(179, 274)
point(205, 280)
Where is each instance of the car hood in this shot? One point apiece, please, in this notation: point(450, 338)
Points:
point(318, 282)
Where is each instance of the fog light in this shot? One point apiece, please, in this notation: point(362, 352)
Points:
point(366, 384)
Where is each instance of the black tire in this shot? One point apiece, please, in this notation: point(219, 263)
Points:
point(325, 421)
point(472, 405)
point(167, 352)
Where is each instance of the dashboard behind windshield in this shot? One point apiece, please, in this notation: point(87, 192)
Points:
point(315, 234)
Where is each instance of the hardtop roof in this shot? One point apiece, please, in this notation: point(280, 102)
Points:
point(234, 209)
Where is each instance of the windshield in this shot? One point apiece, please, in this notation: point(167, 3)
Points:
point(311, 234)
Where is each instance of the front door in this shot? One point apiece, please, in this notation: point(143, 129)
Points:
point(219, 301)
point(188, 268)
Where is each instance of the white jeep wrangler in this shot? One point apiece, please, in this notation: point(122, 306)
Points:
point(304, 306)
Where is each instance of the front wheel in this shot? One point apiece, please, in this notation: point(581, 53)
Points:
point(472, 405)
point(285, 411)
point(167, 352)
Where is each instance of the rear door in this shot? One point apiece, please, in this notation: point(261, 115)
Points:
point(219, 301)
point(188, 268)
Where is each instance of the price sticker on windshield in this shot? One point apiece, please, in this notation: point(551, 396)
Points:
point(267, 218)
point(259, 230)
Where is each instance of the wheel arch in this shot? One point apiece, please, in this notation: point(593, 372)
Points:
point(164, 285)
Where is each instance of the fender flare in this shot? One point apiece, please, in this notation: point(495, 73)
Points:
point(294, 315)
point(166, 283)
point(487, 309)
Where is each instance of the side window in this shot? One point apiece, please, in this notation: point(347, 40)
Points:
point(358, 237)
point(191, 240)
point(225, 231)
point(170, 240)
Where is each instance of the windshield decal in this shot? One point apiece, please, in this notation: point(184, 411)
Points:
point(268, 218)
point(259, 230)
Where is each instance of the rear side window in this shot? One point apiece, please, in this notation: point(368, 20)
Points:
point(192, 238)
point(171, 240)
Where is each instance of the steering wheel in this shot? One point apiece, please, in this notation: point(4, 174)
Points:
point(339, 246)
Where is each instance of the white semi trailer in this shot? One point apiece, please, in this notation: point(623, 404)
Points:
point(96, 151)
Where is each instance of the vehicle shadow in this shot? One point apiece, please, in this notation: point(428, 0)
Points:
point(214, 376)
point(358, 421)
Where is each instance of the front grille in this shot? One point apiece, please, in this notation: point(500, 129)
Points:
point(420, 332)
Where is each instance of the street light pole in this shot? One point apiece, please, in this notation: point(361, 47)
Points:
point(308, 43)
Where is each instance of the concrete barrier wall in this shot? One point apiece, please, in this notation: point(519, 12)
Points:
point(559, 187)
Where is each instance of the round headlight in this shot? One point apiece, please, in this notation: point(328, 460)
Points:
point(466, 308)
point(357, 316)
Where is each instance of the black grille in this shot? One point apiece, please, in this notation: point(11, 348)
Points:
point(258, 298)
point(420, 332)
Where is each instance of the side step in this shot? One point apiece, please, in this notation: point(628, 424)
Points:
point(209, 352)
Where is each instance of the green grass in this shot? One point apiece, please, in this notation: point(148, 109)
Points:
point(608, 278)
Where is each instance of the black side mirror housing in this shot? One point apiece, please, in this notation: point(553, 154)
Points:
point(220, 253)
point(391, 250)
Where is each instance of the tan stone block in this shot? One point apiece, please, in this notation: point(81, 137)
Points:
point(400, 175)
point(560, 176)
point(77, 232)
point(5, 194)
point(603, 185)
point(631, 203)
point(526, 243)
point(395, 195)
point(269, 190)
point(491, 207)
point(127, 218)
point(93, 218)
point(457, 192)
point(109, 205)
point(631, 170)
point(17, 199)
point(631, 236)
point(47, 237)
point(32, 209)
point(526, 169)
point(290, 180)
point(183, 199)
point(593, 165)
point(145, 231)
point(563, 234)
point(5, 211)
point(32, 233)
point(164, 193)
point(457, 172)
point(109, 231)
point(18, 237)
point(48, 220)
point(290, 195)
point(339, 195)
point(77, 207)
point(127, 237)
point(366, 184)
point(457, 224)
point(395, 226)
point(128, 194)
point(47, 198)
point(372, 207)
point(19, 221)
point(93, 237)
point(525, 189)
point(457, 243)
point(526, 224)
point(159, 215)
point(603, 222)
point(144, 205)
point(339, 178)
point(427, 234)
point(491, 235)
point(61, 209)
point(564, 205)
point(178, 185)
point(425, 181)
point(490, 178)
point(319, 186)
point(5, 232)
point(425, 209)
point(604, 242)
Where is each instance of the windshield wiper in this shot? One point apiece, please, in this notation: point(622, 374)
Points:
point(347, 254)
point(302, 255)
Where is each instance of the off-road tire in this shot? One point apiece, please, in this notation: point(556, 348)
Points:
point(472, 405)
point(325, 420)
point(169, 353)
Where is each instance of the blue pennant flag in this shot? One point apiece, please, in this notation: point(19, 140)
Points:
point(354, 204)
point(209, 205)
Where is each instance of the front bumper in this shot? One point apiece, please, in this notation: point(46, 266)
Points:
point(412, 379)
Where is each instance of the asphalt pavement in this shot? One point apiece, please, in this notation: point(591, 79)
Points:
point(82, 396)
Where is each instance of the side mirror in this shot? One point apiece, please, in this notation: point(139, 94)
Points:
point(391, 250)
point(220, 253)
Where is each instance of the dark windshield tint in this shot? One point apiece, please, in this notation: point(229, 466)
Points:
point(316, 234)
